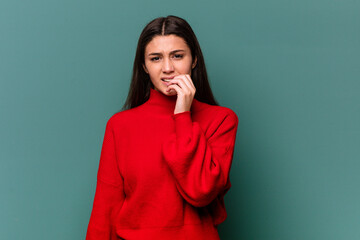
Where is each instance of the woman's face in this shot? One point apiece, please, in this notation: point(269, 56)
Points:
point(166, 57)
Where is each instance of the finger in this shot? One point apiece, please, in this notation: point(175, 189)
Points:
point(176, 88)
point(180, 82)
point(190, 80)
point(187, 82)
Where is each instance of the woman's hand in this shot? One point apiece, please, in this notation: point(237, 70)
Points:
point(185, 90)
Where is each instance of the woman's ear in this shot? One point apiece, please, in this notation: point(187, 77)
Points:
point(194, 63)
point(145, 69)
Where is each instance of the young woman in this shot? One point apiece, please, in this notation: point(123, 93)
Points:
point(165, 159)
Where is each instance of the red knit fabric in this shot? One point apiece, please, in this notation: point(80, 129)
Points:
point(163, 175)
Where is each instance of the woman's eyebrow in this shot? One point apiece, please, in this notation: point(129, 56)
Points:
point(178, 50)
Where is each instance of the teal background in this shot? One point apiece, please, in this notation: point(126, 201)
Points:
point(289, 69)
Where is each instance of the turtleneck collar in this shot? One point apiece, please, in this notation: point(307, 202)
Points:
point(166, 104)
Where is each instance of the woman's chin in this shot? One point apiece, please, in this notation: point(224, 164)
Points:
point(172, 92)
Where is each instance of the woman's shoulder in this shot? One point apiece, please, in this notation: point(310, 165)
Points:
point(123, 117)
point(217, 111)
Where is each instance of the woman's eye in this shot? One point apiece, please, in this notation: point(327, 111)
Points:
point(178, 55)
point(154, 59)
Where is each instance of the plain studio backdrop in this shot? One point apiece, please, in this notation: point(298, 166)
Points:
point(289, 69)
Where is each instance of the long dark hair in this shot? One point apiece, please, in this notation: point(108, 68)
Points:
point(140, 85)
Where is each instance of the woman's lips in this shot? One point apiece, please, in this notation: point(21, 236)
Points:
point(167, 79)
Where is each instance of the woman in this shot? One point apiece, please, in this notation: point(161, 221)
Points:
point(165, 160)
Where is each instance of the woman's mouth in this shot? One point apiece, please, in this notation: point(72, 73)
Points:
point(167, 79)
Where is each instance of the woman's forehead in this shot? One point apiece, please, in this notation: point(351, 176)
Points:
point(167, 44)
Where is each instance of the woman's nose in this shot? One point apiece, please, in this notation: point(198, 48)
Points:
point(167, 65)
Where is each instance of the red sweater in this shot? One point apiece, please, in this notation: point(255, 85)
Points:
point(163, 175)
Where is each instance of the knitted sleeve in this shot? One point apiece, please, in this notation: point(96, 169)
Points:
point(201, 165)
point(109, 190)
